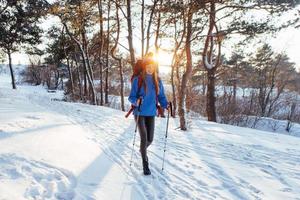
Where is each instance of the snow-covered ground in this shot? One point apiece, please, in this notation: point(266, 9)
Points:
point(57, 150)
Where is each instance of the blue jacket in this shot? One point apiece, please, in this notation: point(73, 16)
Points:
point(148, 106)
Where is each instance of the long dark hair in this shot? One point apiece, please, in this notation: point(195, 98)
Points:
point(137, 69)
point(155, 76)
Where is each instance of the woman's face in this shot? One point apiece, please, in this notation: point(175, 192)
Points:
point(150, 69)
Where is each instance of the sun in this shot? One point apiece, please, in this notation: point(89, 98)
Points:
point(164, 60)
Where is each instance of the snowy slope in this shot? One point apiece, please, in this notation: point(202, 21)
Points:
point(58, 150)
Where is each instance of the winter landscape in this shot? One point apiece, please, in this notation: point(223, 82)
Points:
point(67, 70)
point(52, 149)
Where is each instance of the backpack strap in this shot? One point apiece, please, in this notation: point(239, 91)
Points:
point(140, 83)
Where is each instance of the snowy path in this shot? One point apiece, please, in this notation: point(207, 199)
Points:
point(58, 150)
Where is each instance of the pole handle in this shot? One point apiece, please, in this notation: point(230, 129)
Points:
point(130, 111)
point(139, 104)
point(171, 108)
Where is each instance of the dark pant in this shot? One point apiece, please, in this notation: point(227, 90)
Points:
point(146, 130)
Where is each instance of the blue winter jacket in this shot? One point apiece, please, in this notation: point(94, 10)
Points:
point(148, 106)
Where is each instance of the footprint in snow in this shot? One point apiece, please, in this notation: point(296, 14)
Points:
point(42, 181)
point(32, 117)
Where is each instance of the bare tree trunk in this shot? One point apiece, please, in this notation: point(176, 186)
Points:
point(101, 86)
point(107, 54)
point(187, 74)
point(85, 64)
point(234, 92)
point(101, 82)
point(119, 60)
point(203, 85)
point(177, 84)
point(279, 89)
point(89, 69)
point(157, 29)
point(101, 51)
point(279, 92)
point(56, 76)
point(92, 86)
point(173, 91)
point(79, 77)
point(264, 94)
point(85, 91)
point(235, 85)
point(122, 86)
point(175, 62)
point(129, 25)
point(290, 117)
point(68, 63)
point(142, 28)
point(261, 91)
point(11, 70)
point(149, 25)
point(188, 98)
point(210, 96)
point(209, 63)
point(70, 75)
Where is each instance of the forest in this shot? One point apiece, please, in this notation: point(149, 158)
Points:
point(218, 62)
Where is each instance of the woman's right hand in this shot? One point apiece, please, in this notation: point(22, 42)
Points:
point(139, 101)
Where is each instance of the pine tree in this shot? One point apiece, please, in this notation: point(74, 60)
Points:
point(19, 26)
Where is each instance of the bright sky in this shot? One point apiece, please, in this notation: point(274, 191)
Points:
point(287, 40)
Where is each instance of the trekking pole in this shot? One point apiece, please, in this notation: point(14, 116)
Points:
point(166, 136)
point(130, 111)
point(135, 130)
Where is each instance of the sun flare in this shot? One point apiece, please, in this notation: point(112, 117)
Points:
point(164, 60)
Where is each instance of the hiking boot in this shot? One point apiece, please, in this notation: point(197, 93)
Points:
point(146, 168)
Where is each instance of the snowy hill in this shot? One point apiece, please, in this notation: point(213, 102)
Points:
point(57, 150)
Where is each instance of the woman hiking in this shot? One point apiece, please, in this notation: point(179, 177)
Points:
point(146, 92)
